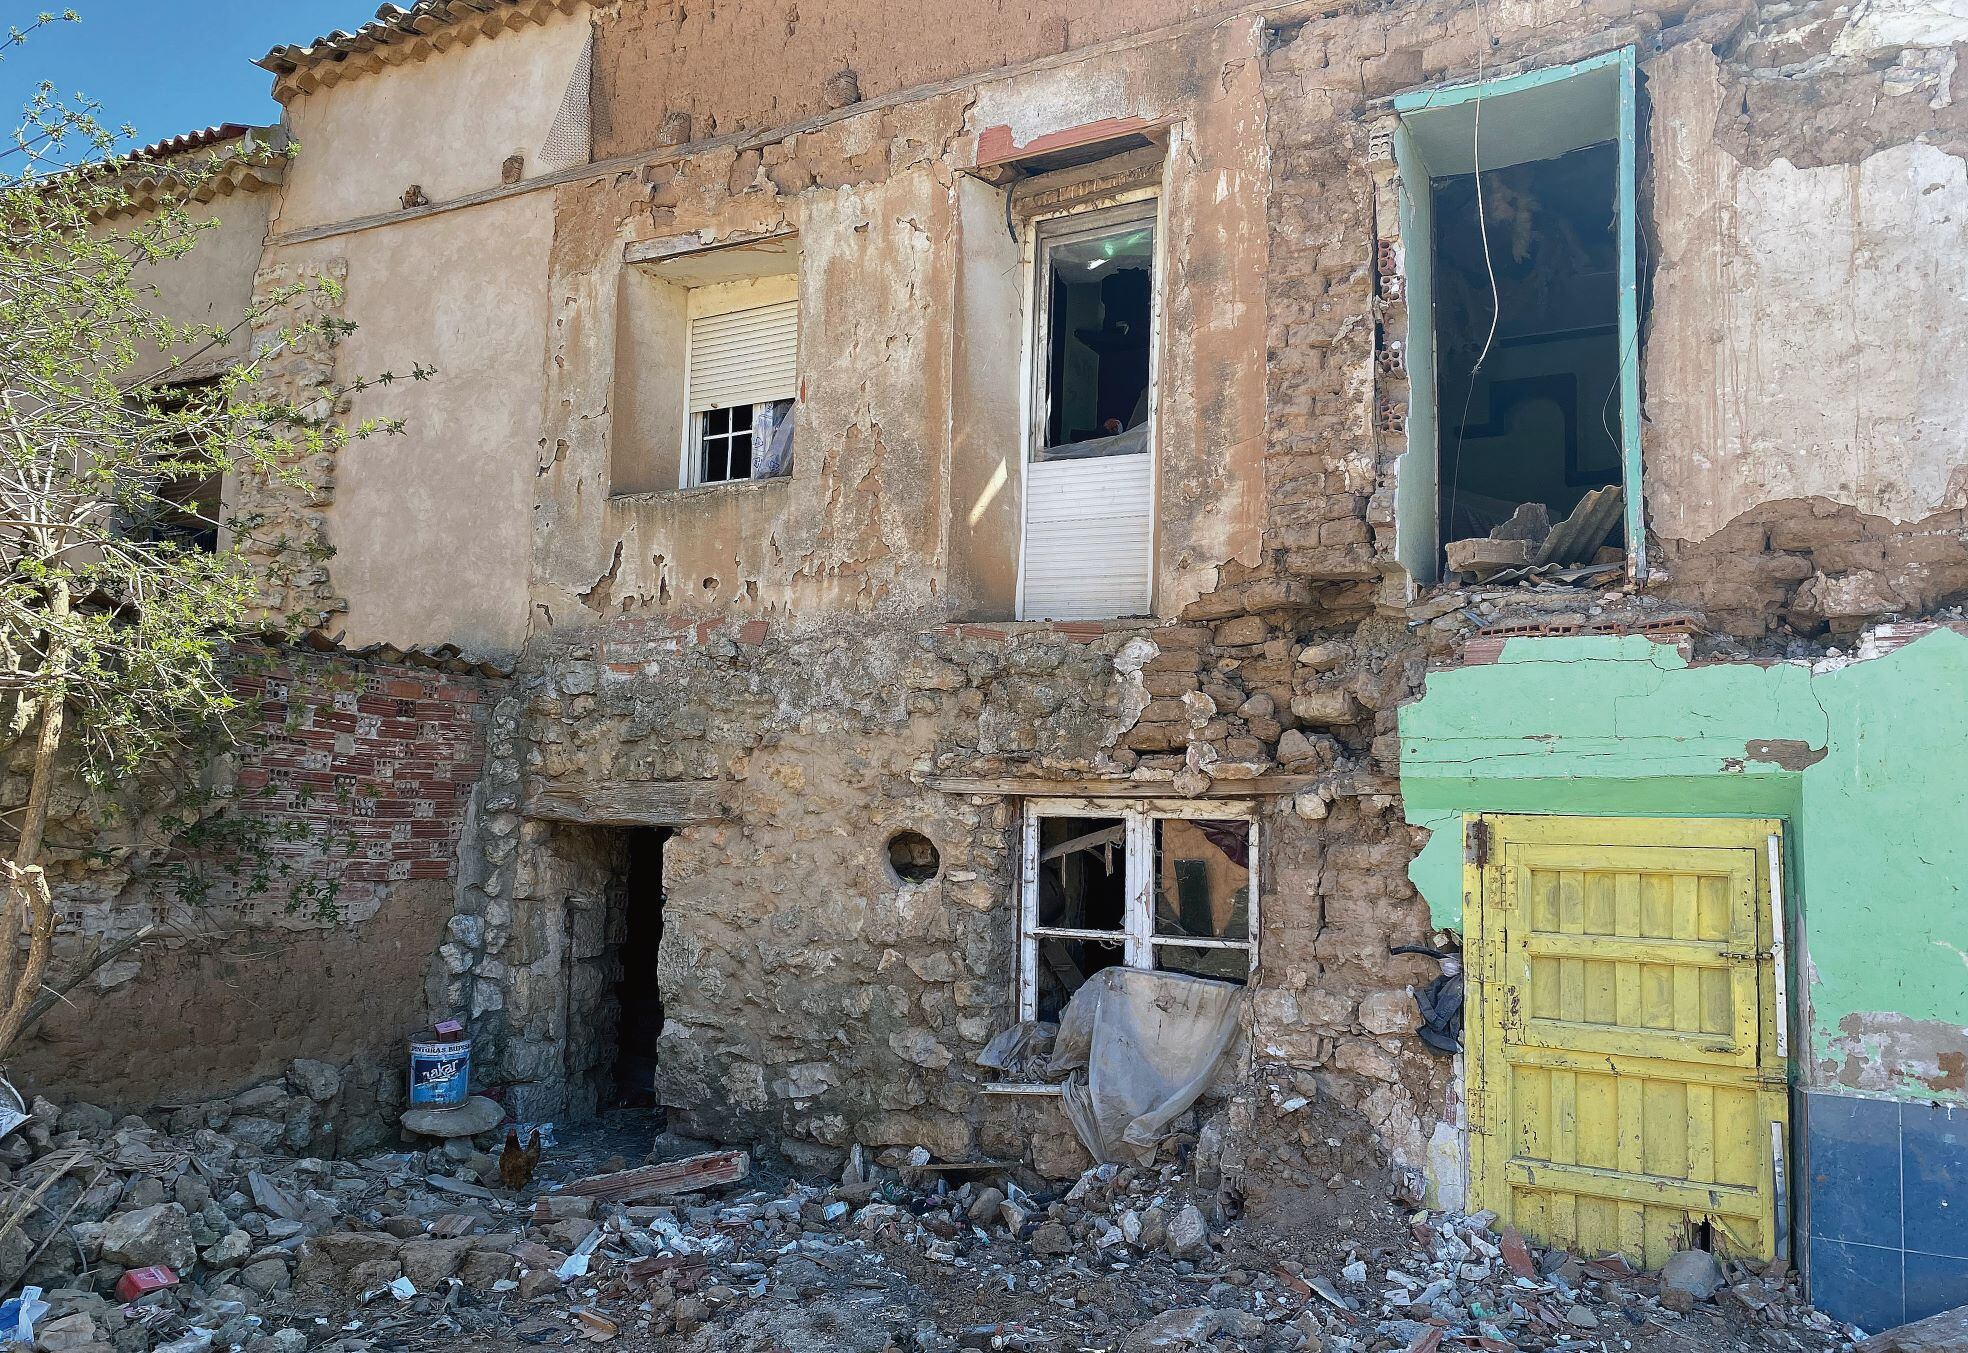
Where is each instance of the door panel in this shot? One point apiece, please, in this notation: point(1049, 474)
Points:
point(1626, 1075)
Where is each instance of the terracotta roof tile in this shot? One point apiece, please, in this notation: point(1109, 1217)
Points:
point(204, 136)
point(399, 34)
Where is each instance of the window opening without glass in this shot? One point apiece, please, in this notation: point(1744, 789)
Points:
point(1523, 334)
point(1157, 888)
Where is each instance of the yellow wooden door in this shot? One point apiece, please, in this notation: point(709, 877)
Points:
point(1628, 1081)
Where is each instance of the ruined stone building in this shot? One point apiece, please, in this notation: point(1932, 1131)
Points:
point(920, 504)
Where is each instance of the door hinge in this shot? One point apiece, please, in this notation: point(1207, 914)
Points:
point(1478, 843)
point(1476, 1107)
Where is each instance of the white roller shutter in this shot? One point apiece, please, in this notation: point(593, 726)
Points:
point(744, 356)
point(1089, 538)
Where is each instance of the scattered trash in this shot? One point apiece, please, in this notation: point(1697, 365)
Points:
point(596, 1327)
point(440, 1068)
point(18, 1315)
point(138, 1281)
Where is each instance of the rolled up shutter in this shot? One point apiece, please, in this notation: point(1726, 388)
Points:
point(744, 356)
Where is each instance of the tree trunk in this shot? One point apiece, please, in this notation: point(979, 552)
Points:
point(47, 742)
point(26, 883)
point(28, 891)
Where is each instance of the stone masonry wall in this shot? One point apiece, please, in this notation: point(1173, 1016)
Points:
point(817, 1001)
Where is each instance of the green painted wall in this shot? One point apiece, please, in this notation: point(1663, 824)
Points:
point(1867, 762)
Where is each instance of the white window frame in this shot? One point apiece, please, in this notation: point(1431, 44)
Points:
point(729, 298)
point(1139, 940)
point(1143, 206)
point(1042, 232)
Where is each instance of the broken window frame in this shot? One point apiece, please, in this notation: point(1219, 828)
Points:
point(1138, 937)
point(778, 417)
point(188, 511)
point(1534, 96)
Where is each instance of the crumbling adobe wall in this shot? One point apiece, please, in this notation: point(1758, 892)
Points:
point(1819, 568)
point(888, 470)
point(733, 69)
point(302, 934)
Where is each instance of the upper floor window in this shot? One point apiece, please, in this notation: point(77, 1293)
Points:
point(743, 376)
point(706, 366)
point(177, 505)
point(1089, 478)
point(1522, 353)
point(1096, 320)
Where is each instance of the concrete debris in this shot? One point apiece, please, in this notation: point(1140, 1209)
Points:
point(277, 1254)
point(1528, 546)
point(1946, 1331)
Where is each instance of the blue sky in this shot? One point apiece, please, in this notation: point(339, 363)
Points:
point(164, 66)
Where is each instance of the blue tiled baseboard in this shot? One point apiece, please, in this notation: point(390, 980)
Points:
point(1886, 1195)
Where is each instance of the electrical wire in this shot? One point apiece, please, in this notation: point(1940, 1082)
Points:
point(1489, 266)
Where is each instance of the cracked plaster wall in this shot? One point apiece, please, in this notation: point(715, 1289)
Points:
point(891, 476)
point(1806, 307)
point(812, 684)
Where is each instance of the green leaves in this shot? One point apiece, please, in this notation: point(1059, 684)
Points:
point(126, 436)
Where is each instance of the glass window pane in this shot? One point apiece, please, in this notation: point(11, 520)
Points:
point(1100, 299)
point(772, 439)
point(1202, 878)
point(1224, 965)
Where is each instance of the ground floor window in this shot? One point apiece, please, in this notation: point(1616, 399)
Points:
point(1161, 885)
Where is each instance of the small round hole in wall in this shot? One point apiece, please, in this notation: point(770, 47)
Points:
point(912, 857)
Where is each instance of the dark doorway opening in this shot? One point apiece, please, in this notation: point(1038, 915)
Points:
point(612, 878)
point(637, 998)
point(1527, 359)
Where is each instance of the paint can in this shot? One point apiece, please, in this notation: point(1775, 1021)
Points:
point(440, 1073)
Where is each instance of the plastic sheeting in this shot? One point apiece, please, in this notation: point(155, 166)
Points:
point(1137, 1048)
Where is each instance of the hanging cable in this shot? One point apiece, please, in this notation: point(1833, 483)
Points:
point(1489, 266)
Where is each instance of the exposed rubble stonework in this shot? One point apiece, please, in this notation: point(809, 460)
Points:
point(730, 698)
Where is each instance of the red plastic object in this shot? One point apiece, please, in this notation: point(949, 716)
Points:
point(141, 1280)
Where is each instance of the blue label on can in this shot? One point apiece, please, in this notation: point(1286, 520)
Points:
point(440, 1073)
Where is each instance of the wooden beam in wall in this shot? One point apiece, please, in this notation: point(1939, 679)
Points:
point(646, 803)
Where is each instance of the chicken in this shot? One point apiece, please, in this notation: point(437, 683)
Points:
point(516, 1163)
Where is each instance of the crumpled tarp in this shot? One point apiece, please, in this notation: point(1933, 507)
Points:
point(1137, 1048)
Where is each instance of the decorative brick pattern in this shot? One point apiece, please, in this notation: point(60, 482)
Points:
point(379, 760)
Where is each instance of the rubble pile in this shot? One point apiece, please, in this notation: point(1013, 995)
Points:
point(142, 1239)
